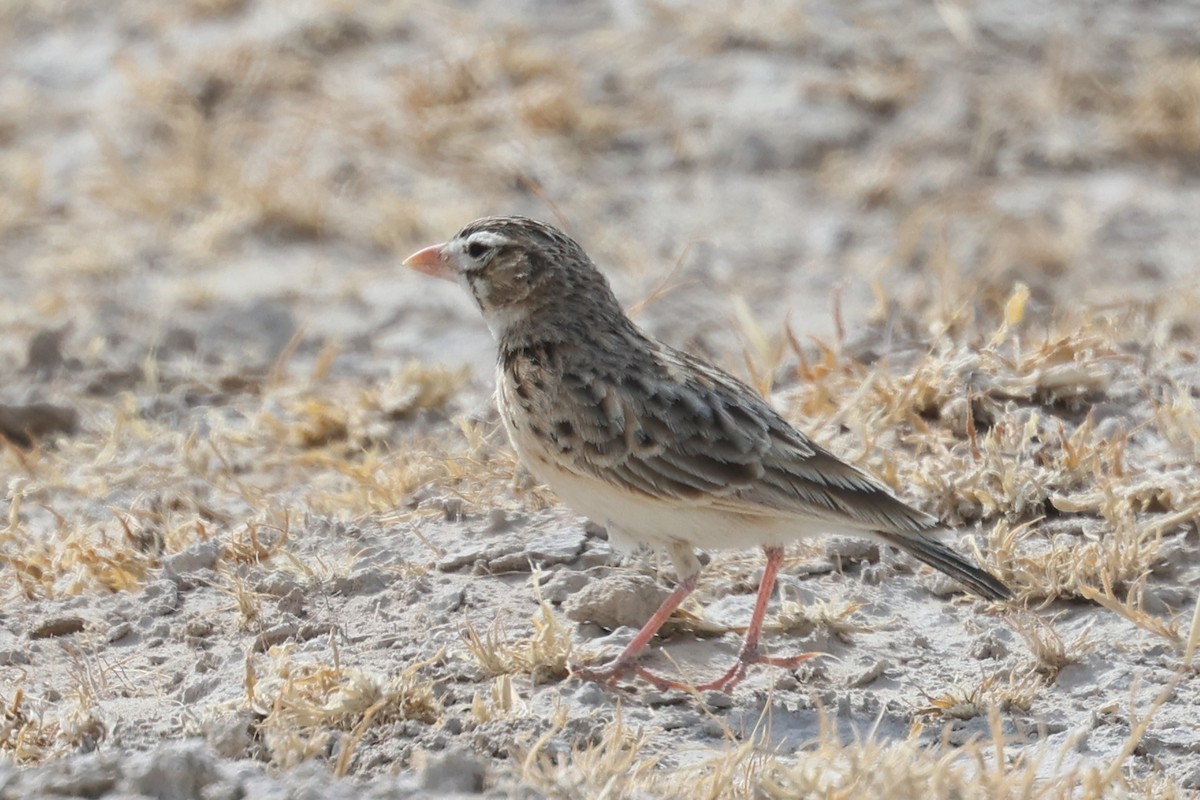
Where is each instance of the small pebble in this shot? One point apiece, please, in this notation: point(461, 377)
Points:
point(867, 676)
point(51, 627)
point(453, 771)
point(203, 555)
point(562, 584)
point(657, 699)
point(498, 521)
point(591, 695)
point(447, 601)
point(119, 631)
point(276, 634)
point(556, 547)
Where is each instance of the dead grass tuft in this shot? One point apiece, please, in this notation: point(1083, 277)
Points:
point(33, 730)
point(834, 617)
point(1051, 654)
point(994, 691)
point(757, 25)
point(999, 418)
point(1163, 117)
point(613, 766)
point(620, 762)
point(544, 655)
point(1131, 608)
point(508, 89)
point(304, 705)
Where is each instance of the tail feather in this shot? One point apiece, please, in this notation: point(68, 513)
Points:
point(932, 552)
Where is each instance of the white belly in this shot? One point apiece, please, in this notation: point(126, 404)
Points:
point(663, 523)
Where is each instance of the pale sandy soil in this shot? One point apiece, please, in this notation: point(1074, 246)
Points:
point(268, 541)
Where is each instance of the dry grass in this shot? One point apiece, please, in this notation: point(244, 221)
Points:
point(34, 730)
point(274, 142)
point(1163, 117)
point(992, 417)
point(544, 655)
point(1047, 647)
point(999, 691)
point(995, 420)
point(308, 707)
point(343, 453)
point(837, 618)
point(622, 764)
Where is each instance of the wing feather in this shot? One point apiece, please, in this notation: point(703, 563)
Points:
point(712, 441)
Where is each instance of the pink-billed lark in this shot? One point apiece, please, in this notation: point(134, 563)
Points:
point(662, 448)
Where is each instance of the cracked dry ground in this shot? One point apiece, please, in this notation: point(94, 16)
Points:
point(263, 537)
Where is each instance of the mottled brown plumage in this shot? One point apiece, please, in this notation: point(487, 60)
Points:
point(663, 448)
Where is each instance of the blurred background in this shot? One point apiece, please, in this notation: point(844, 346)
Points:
point(218, 176)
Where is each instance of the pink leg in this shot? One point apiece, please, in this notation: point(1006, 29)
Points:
point(628, 658)
point(749, 653)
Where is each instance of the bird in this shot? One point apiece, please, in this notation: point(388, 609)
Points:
point(663, 448)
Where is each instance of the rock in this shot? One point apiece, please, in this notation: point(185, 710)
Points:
point(173, 772)
point(276, 584)
point(293, 602)
point(447, 601)
point(276, 634)
point(203, 555)
point(87, 776)
point(867, 676)
point(50, 627)
point(199, 628)
point(198, 688)
point(453, 771)
point(685, 719)
point(597, 556)
point(230, 735)
point(119, 631)
point(591, 695)
point(366, 581)
point(659, 699)
point(624, 599)
point(13, 657)
point(595, 530)
point(562, 584)
point(44, 356)
point(162, 598)
point(556, 547)
point(472, 552)
point(25, 425)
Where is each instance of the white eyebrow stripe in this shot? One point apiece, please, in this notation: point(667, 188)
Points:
point(488, 239)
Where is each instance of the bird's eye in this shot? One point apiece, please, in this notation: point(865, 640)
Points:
point(477, 249)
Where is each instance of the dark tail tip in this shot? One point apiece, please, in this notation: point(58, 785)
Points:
point(937, 555)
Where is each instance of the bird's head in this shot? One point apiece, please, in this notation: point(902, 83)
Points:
point(517, 269)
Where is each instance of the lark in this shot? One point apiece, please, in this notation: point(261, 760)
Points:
point(661, 447)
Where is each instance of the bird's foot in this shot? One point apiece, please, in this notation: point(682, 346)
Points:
point(732, 677)
point(605, 675)
point(608, 674)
